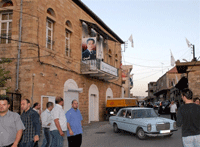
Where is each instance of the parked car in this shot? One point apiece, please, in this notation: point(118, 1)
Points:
point(156, 105)
point(149, 105)
point(164, 107)
point(143, 122)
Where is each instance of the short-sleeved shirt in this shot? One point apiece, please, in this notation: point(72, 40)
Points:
point(74, 118)
point(173, 108)
point(9, 125)
point(58, 113)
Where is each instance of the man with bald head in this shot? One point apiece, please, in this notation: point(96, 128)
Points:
point(31, 121)
point(74, 124)
point(58, 125)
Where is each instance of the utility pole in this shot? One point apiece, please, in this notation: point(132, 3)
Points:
point(193, 49)
point(19, 46)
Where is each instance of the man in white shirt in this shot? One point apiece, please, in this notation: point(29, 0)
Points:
point(58, 126)
point(46, 122)
point(173, 110)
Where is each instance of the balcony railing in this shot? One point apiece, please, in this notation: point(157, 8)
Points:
point(100, 69)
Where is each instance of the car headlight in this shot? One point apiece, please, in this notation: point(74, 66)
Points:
point(149, 127)
point(111, 112)
point(174, 125)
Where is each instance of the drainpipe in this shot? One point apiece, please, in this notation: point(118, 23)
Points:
point(19, 46)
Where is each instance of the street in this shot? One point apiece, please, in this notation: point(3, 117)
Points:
point(100, 134)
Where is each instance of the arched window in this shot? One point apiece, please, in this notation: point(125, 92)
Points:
point(7, 4)
point(68, 24)
point(109, 56)
point(6, 24)
point(50, 28)
point(67, 38)
point(51, 12)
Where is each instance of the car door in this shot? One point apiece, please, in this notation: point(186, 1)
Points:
point(127, 121)
point(120, 119)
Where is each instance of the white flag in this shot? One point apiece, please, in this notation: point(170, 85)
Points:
point(131, 40)
point(188, 43)
point(172, 59)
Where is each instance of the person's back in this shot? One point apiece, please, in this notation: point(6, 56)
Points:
point(189, 118)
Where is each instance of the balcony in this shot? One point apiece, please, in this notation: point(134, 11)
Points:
point(99, 69)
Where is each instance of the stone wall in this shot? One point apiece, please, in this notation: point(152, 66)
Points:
point(52, 69)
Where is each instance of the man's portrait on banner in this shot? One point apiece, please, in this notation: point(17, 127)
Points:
point(89, 48)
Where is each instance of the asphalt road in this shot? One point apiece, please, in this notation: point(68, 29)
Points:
point(100, 134)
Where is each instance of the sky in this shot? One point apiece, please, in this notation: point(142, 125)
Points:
point(157, 26)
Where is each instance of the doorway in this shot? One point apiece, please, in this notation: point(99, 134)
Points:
point(93, 103)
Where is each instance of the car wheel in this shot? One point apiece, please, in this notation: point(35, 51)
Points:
point(115, 128)
point(141, 134)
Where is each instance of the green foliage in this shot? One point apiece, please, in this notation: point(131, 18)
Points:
point(4, 75)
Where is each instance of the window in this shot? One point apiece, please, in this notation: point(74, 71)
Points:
point(128, 114)
point(6, 27)
point(49, 34)
point(67, 43)
point(116, 61)
point(123, 82)
point(122, 113)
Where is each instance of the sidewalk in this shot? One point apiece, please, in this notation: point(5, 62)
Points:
point(89, 129)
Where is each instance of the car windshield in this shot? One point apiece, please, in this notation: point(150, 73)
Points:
point(144, 113)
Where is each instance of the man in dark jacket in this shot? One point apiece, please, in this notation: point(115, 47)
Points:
point(89, 53)
point(189, 118)
point(31, 121)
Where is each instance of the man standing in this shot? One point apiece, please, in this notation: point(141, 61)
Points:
point(74, 124)
point(31, 121)
point(173, 109)
point(46, 122)
point(58, 126)
point(11, 126)
point(188, 117)
point(36, 107)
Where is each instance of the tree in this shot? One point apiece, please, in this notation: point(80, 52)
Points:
point(4, 75)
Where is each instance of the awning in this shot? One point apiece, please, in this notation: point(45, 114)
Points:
point(182, 83)
point(98, 30)
point(161, 92)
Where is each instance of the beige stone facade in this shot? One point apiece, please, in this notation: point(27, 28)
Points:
point(165, 83)
point(127, 82)
point(191, 71)
point(45, 73)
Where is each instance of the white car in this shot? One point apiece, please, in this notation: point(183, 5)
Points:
point(143, 122)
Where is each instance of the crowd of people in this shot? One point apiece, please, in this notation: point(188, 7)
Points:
point(24, 130)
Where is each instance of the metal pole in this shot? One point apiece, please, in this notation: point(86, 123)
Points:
point(19, 46)
point(193, 53)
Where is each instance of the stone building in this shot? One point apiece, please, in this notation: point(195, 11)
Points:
point(151, 90)
point(46, 42)
point(165, 83)
point(127, 81)
point(190, 76)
